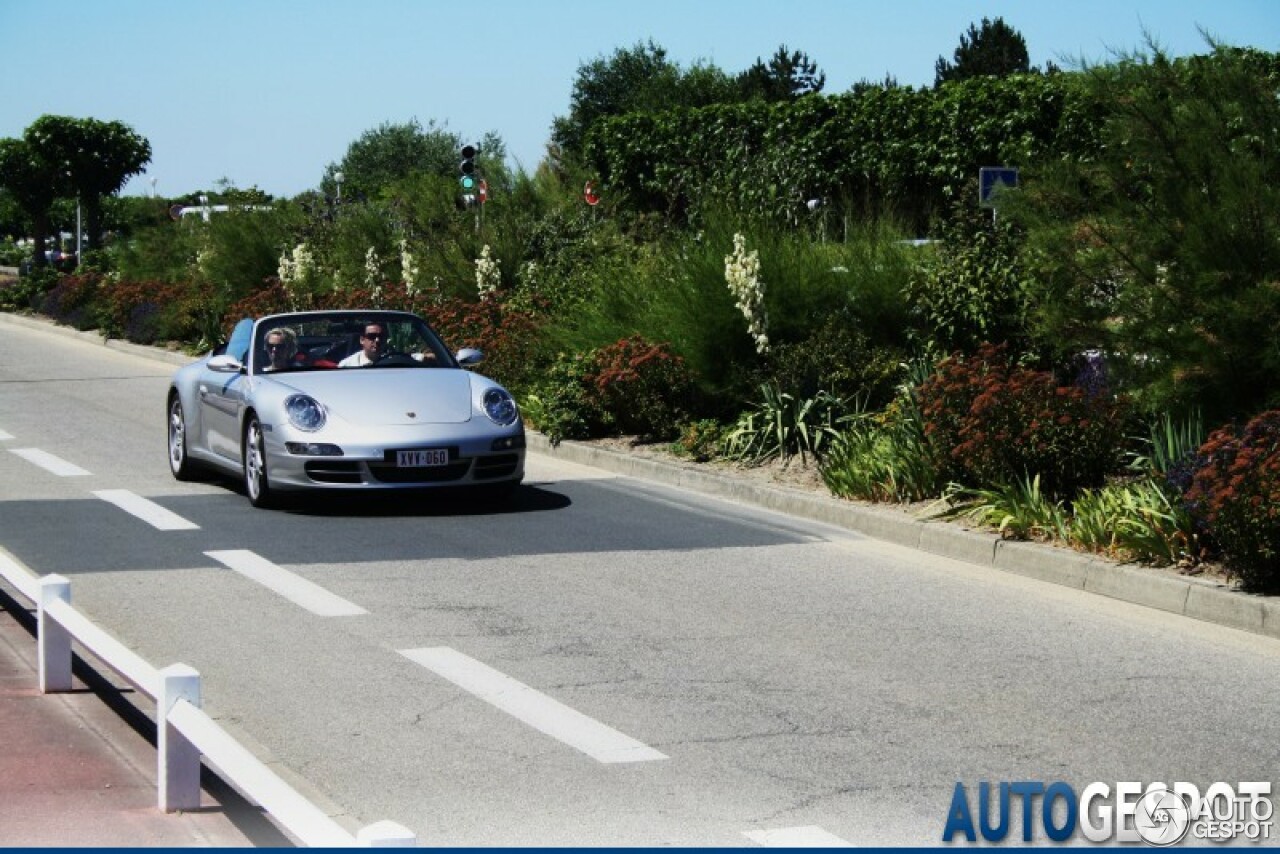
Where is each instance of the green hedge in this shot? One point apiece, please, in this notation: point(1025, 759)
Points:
point(899, 151)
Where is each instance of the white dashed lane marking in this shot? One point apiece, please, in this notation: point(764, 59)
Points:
point(49, 462)
point(810, 836)
point(548, 716)
point(5, 436)
point(146, 510)
point(293, 587)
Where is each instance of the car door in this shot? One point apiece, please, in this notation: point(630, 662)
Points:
point(222, 395)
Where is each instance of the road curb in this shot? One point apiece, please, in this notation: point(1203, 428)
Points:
point(159, 354)
point(1196, 598)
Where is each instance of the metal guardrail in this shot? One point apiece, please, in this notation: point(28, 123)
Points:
point(184, 731)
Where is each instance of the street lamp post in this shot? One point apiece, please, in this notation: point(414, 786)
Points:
point(337, 177)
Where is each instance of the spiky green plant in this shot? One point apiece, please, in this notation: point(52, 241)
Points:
point(1141, 521)
point(1169, 444)
point(782, 425)
point(1018, 510)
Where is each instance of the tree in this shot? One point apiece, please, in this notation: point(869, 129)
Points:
point(635, 79)
point(1162, 247)
point(33, 182)
point(864, 86)
point(994, 50)
point(94, 159)
point(787, 76)
point(389, 153)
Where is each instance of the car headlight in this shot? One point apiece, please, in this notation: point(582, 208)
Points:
point(499, 406)
point(305, 412)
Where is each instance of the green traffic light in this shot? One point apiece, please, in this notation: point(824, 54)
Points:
point(468, 182)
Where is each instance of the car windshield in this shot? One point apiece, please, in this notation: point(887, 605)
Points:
point(315, 341)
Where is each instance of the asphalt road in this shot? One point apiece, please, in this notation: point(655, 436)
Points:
point(604, 661)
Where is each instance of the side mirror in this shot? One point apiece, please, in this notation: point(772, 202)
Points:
point(225, 365)
point(469, 356)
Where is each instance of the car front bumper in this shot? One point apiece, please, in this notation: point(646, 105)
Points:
point(297, 460)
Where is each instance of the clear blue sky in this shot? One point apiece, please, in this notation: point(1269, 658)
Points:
point(268, 92)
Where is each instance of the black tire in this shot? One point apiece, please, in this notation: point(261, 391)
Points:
point(257, 484)
point(179, 463)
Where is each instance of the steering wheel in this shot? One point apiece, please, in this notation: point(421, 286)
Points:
point(394, 359)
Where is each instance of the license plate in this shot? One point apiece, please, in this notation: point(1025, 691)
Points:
point(423, 458)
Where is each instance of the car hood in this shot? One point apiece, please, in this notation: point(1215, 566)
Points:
point(387, 396)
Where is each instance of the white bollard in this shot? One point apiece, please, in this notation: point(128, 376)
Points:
point(52, 640)
point(386, 834)
point(178, 760)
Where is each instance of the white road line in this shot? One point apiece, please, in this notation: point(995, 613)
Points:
point(49, 462)
point(146, 510)
point(810, 836)
point(534, 708)
point(4, 436)
point(295, 588)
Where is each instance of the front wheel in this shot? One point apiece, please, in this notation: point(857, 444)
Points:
point(179, 463)
point(254, 454)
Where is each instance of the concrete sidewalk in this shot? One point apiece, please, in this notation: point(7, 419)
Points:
point(76, 771)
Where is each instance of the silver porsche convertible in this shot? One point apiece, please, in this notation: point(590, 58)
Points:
point(343, 400)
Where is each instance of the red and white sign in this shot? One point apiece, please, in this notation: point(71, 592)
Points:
point(589, 194)
point(482, 191)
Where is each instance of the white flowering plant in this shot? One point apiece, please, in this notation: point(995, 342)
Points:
point(488, 273)
point(742, 275)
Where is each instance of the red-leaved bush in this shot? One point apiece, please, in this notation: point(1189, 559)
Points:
point(72, 300)
point(1235, 495)
point(508, 336)
point(991, 422)
point(150, 311)
point(643, 386)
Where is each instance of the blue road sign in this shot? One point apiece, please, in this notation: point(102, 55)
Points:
point(991, 177)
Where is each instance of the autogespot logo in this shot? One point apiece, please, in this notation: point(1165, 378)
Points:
point(1156, 814)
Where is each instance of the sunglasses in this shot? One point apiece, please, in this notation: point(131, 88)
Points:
point(375, 336)
point(271, 348)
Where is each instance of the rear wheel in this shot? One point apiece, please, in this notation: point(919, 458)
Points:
point(179, 463)
point(254, 454)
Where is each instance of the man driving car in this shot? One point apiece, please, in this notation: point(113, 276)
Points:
point(373, 343)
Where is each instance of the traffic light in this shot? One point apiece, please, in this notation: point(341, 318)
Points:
point(468, 168)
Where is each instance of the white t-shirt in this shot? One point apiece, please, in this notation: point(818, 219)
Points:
point(356, 360)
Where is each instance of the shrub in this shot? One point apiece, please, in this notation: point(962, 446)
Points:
point(1019, 509)
point(990, 423)
point(1235, 494)
point(643, 386)
point(632, 386)
point(1169, 450)
point(783, 425)
point(700, 440)
point(838, 358)
point(562, 405)
point(970, 289)
point(26, 292)
point(884, 459)
point(507, 335)
point(146, 312)
point(72, 301)
point(1141, 521)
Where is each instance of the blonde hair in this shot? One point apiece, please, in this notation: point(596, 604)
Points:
point(288, 338)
